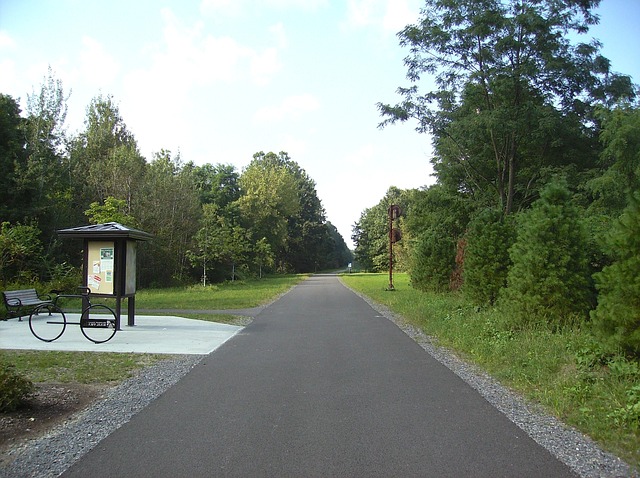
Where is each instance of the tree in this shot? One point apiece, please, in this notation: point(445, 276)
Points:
point(105, 155)
point(435, 221)
point(487, 262)
point(263, 255)
point(339, 254)
point(12, 157)
point(269, 198)
point(307, 236)
point(508, 80)
point(222, 245)
point(39, 182)
point(168, 208)
point(371, 233)
point(550, 277)
point(113, 210)
point(619, 175)
point(617, 316)
point(21, 253)
point(217, 184)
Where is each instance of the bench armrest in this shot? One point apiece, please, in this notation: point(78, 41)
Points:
point(13, 302)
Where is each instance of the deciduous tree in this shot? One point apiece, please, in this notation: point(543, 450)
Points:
point(513, 96)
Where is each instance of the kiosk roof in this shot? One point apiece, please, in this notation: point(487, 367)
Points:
point(107, 230)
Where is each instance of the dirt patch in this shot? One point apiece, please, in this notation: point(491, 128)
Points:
point(52, 404)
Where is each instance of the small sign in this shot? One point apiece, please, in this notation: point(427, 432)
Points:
point(97, 324)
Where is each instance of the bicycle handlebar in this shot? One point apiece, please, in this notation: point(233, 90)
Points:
point(85, 292)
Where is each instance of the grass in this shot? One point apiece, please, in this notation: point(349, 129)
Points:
point(562, 370)
point(229, 295)
point(77, 367)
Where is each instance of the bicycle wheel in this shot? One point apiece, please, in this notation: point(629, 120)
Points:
point(47, 322)
point(98, 323)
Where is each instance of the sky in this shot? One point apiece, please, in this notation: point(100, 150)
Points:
point(219, 80)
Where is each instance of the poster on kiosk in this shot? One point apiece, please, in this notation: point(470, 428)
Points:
point(101, 267)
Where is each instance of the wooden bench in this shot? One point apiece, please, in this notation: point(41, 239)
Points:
point(17, 301)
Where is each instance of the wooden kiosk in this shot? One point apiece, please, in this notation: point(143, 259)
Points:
point(109, 262)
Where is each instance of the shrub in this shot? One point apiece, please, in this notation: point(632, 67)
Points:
point(433, 260)
point(21, 253)
point(64, 277)
point(14, 388)
point(617, 316)
point(487, 261)
point(549, 279)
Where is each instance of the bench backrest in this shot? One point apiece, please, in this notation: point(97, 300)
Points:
point(22, 295)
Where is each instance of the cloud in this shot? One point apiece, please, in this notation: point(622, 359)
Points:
point(264, 66)
point(97, 66)
point(197, 57)
point(398, 15)
point(361, 156)
point(188, 67)
point(6, 41)
point(9, 78)
point(296, 148)
point(290, 108)
point(236, 7)
point(281, 37)
point(360, 13)
point(309, 5)
point(226, 7)
point(390, 16)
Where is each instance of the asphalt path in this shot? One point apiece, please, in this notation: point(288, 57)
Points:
point(319, 385)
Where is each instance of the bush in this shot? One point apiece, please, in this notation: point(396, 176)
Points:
point(433, 260)
point(14, 388)
point(617, 316)
point(487, 259)
point(549, 279)
point(21, 253)
point(64, 277)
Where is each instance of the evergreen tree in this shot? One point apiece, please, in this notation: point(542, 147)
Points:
point(487, 262)
point(549, 279)
point(617, 316)
point(433, 259)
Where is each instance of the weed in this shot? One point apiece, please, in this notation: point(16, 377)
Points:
point(629, 414)
point(14, 388)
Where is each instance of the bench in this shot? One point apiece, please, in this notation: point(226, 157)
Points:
point(18, 300)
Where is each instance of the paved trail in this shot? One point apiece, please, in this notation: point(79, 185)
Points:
point(319, 385)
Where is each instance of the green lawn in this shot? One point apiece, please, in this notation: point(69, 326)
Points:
point(561, 369)
point(229, 295)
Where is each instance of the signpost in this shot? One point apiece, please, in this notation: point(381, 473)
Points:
point(394, 236)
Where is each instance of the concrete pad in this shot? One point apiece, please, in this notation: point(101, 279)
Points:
point(151, 334)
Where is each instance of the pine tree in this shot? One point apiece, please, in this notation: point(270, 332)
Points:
point(549, 279)
point(617, 317)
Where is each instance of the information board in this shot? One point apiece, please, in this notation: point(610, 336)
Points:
point(101, 256)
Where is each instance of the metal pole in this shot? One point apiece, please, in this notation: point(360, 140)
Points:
point(391, 248)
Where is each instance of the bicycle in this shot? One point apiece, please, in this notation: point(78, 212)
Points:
point(97, 321)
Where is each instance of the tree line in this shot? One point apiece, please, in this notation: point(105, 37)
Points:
point(210, 222)
point(536, 156)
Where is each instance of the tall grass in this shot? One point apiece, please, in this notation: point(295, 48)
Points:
point(563, 370)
